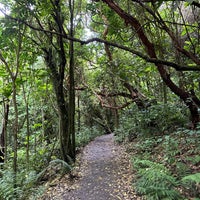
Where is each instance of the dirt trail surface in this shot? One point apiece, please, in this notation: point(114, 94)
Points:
point(105, 174)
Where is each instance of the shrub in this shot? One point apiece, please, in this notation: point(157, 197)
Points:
point(155, 120)
point(86, 135)
point(161, 118)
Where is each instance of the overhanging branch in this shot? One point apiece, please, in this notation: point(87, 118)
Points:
point(143, 56)
point(194, 3)
point(113, 44)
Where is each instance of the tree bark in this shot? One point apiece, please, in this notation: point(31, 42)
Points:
point(71, 83)
point(57, 80)
point(55, 58)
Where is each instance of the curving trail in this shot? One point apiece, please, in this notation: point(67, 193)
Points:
point(105, 174)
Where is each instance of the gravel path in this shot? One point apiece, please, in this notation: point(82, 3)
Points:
point(105, 174)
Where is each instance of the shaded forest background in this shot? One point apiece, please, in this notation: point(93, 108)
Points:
point(74, 69)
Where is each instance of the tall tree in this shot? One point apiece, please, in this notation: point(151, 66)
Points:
point(71, 81)
point(12, 62)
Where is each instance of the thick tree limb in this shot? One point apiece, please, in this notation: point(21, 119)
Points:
point(195, 3)
point(143, 56)
point(135, 96)
point(115, 94)
point(171, 34)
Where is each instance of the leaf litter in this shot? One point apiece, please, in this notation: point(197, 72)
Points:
point(103, 171)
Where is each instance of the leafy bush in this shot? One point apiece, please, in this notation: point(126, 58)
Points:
point(155, 120)
point(155, 181)
point(127, 129)
point(86, 135)
point(161, 118)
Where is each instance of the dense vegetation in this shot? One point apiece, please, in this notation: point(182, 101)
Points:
point(165, 156)
point(74, 69)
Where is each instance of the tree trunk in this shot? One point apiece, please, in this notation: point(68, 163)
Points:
point(55, 58)
point(79, 113)
point(71, 109)
point(15, 132)
point(57, 80)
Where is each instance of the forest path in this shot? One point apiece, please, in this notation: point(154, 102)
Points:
point(105, 174)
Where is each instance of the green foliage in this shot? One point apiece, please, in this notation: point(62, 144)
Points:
point(171, 148)
point(191, 183)
point(161, 118)
point(155, 181)
point(25, 186)
point(6, 185)
point(33, 83)
point(192, 177)
point(147, 145)
point(164, 165)
point(86, 135)
point(155, 120)
point(194, 160)
point(125, 130)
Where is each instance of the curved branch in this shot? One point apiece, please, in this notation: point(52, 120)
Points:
point(171, 34)
point(143, 56)
point(194, 3)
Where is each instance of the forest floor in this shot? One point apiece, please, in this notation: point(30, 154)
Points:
point(103, 172)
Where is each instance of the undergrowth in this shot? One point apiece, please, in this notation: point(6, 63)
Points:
point(155, 181)
point(85, 135)
point(44, 166)
point(168, 167)
point(166, 159)
point(26, 185)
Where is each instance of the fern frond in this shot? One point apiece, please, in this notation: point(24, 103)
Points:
point(192, 177)
point(155, 181)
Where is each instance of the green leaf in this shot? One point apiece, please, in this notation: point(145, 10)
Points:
point(183, 32)
point(37, 125)
point(7, 91)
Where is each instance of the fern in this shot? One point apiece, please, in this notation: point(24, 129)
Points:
point(192, 177)
point(155, 181)
point(25, 185)
point(191, 184)
point(6, 185)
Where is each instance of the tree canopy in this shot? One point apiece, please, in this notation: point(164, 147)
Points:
point(71, 65)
